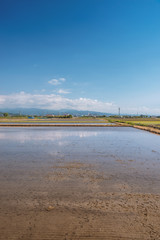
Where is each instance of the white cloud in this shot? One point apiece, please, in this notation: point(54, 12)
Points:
point(62, 79)
point(2, 99)
point(63, 91)
point(55, 81)
point(43, 90)
point(141, 110)
point(53, 101)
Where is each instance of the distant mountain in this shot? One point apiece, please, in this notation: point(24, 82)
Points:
point(42, 112)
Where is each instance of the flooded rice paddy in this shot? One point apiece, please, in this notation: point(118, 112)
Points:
point(79, 183)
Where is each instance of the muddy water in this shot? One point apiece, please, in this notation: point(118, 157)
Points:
point(79, 183)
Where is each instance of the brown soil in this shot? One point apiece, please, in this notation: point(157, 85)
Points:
point(149, 129)
point(75, 200)
point(145, 128)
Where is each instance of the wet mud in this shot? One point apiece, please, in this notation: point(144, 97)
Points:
point(149, 129)
point(76, 183)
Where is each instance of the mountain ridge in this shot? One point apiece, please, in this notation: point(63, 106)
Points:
point(40, 112)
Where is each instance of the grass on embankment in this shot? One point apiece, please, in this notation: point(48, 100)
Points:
point(146, 123)
point(151, 125)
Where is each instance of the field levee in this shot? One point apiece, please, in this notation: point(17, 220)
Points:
point(60, 125)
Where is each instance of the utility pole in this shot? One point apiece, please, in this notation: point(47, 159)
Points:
point(119, 111)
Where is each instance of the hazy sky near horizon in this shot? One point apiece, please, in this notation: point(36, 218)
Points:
point(80, 54)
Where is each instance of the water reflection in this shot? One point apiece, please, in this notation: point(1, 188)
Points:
point(23, 135)
point(88, 143)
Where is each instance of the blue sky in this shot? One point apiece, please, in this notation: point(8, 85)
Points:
point(82, 54)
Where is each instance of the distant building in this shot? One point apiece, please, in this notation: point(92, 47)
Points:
point(49, 115)
point(30, 117)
